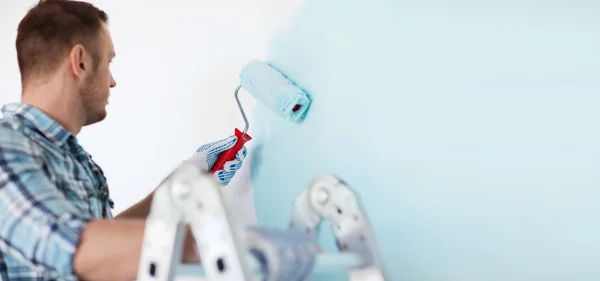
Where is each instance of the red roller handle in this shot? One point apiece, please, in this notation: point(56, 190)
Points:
point(229, 154)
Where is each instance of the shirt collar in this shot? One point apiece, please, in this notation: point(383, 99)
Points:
point(35, 119)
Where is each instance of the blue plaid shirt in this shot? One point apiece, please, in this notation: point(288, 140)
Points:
point(49, 190)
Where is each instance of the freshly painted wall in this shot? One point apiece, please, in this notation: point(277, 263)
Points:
point(469, 129)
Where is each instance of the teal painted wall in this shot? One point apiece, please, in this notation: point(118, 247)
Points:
point(469, 129)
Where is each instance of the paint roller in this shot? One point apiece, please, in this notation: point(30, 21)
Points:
point(274, 90)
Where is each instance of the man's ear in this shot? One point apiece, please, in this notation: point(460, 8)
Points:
point(79, 61)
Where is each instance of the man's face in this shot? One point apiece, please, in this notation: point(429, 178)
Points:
point(96, 88)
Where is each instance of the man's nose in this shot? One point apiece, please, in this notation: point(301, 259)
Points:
point(113, 83)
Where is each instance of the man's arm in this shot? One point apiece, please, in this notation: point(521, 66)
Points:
point(205, 156)
point(110, 250)
point(42, 229)
point(120, 242)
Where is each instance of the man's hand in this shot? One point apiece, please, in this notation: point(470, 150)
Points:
point(208, 154)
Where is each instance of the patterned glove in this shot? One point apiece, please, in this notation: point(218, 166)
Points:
point(208, 154)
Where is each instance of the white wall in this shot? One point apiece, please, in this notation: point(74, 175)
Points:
point(176, 68)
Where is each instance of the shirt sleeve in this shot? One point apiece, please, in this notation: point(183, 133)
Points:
point(38, 225)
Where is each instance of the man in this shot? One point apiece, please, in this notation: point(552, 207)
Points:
point(55, 209)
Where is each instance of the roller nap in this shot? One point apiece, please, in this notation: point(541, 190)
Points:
point(275, 90)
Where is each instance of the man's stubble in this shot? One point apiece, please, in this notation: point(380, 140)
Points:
point(93, 99)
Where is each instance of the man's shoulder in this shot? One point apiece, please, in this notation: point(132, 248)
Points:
point(14, 139)
point(11, 131)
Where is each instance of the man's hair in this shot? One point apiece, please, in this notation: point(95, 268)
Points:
point(50, 29)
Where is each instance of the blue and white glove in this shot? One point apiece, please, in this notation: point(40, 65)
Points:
point(208, 154)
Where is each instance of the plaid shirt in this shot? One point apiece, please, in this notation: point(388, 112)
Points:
point(49, 189)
